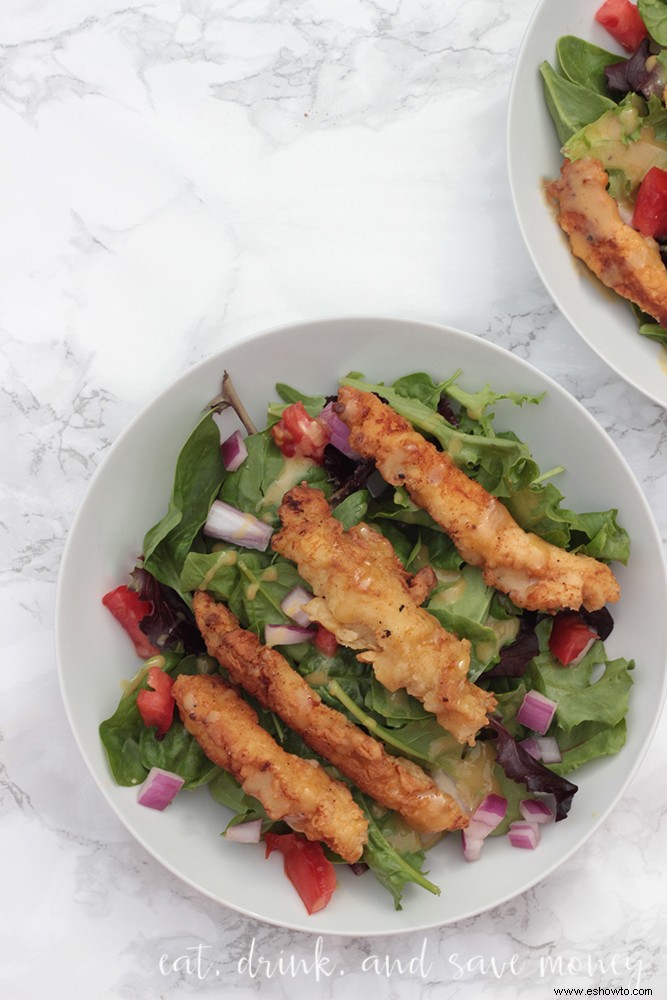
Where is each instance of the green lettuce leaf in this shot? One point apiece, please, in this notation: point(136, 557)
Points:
point(198, 477)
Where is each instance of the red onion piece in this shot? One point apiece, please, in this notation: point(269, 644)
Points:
point(536, 811)
point(536, 712)
point(234, 451)
point(486, 817)
point(532, 746)
point(549, 750)
point(233, 525)
point(159, 788)
point(472, 846)
point(292, 605)
point(245, 833)
point(524, 834)
point(339, 432)
point(286, 635)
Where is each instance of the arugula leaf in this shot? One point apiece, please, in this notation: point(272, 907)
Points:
point(199, 474)
point(392, 868)
point(500, 462)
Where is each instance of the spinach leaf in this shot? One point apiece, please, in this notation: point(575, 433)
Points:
point(353, 509)
point(260, 483)
point(252, 583)
point(199, 474)
point(654, 16)
point(133, 749)
point(584, 63)
point(571, 106)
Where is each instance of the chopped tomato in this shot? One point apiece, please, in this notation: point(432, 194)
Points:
point(570, 637)
point(325, 641)
point(156, 706)
point(307, 868)
point(623, 22)
point(650, 214)
point(297, 433)
point(126, 605)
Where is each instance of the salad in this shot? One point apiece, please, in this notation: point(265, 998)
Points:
point(610, 117)
point(559, 701)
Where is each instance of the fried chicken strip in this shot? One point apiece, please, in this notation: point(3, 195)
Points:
point(621, 257)
point(363, 598)
point(264, 673)
point(536, 575)
point(290, 788)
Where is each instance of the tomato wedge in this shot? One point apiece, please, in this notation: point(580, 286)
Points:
point(297, 433)
point(128, 608)
point(156, 706)
point(310, 872)
point(570, 637)
point(623, 22)
point(325, 641)
point(650, 214)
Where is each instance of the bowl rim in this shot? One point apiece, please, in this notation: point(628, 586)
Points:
point(257, 338)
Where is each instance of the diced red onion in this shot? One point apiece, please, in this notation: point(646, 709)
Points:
point(245, 833)
point(549, 750)
point(532, 746)
point(472, 846)
point(286, 635)
point(524, 834)
point(486, 817)
point(233, 525)
point(159, 788)
point(339, 432)
point(536, 811)
point(292, 605)
point(234, 451)
point(536, 712)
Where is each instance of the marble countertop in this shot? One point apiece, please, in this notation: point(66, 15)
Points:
point(176, 175)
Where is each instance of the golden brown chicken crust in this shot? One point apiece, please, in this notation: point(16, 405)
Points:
point(536, 575)
point(290, 788)
point(621, 257)
point(364, 599)
point(264, 673)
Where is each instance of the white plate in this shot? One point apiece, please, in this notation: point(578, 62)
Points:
point(601, 317)
point(129, 493)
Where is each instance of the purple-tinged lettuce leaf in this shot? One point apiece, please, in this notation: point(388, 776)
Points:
point(171, 621)
point(520, 766)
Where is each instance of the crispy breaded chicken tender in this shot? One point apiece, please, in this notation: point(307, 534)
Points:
point(620, 256)
point(363, 597)
point(290, 788)
point(264, 673)
point(536, 575)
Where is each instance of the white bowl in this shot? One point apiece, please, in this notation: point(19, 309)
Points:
point(129, 493)
point(601, 317)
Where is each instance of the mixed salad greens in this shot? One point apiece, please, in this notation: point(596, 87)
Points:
point(513, 651)
point(613, 109)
